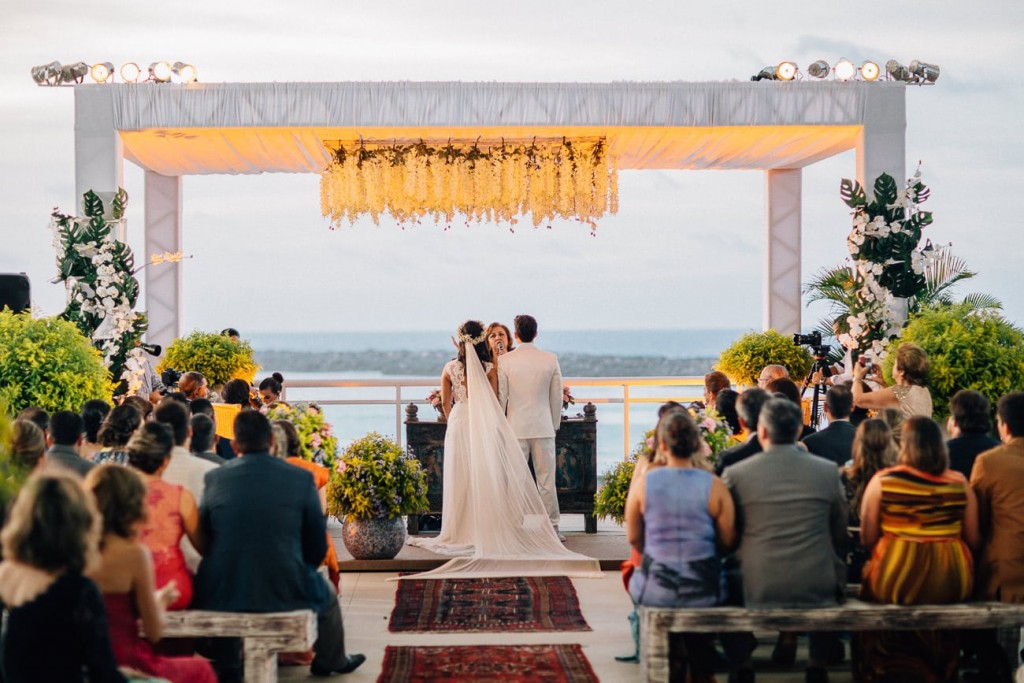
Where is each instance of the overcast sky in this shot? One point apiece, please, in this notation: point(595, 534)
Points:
point(686, 249)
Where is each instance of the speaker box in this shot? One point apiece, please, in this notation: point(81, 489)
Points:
point(14, 291)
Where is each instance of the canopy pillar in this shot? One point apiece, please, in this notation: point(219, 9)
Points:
point(881, 143)
point(782, 266)
point(163, 234)
point(99, 152)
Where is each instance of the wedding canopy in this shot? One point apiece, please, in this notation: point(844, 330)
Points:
point(240, 128)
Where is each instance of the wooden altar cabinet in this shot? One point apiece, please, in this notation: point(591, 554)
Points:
point(575, 454)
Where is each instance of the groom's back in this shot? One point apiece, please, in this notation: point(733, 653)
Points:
point(534, 391)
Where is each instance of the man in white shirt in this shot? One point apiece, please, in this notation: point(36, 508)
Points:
point(532, 382)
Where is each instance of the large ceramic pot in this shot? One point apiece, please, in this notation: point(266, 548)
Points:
point(373, 539)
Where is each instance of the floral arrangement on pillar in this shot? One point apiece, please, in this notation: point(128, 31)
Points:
point(98, 272)
point(575, 179)
point(888, 263)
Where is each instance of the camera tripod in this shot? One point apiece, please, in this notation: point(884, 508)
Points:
point(820, 364)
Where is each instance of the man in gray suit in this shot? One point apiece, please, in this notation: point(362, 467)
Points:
point(791, 517)
point(64, 439)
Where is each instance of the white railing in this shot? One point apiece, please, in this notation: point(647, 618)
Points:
point(613, 391)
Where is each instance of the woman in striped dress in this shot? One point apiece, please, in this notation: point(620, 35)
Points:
point(921, 520)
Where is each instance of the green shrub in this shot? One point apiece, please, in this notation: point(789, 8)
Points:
point(12, 477)
point(610, 499)
point(968, 348)
point(48, 362)
point(747, 356)
point(215, 355)
point(376, 479)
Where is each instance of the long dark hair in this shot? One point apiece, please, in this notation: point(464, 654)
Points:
point(473, 329)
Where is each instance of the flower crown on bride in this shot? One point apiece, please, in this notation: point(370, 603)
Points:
point(467, 339)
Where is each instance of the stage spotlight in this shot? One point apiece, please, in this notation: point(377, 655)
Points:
point(845, 70)
point(869, 71)
point(819, 69)
point(927, 73)
point(897, 71)
point(765, 74)
point(160, 72)
point(185, 73)
point(785, 71)
point(46, 74)
point(74, 73)
point(102, 72)
point(130, 72)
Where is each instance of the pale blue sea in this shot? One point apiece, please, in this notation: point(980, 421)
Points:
point(352, 421)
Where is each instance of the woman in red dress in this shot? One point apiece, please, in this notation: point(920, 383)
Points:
point(125, 575)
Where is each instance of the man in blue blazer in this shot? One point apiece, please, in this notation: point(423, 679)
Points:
point(263, 535)
point(835, 442)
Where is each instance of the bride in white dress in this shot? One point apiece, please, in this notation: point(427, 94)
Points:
point(493, 520)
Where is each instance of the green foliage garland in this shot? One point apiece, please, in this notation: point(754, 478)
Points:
point(99, 274)
point(747, 356)
point(967, 348)
point(376, 479)
point(49, 363)
point(216, 356)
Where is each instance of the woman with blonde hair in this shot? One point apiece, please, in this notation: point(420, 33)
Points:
point(57, 625)
point(125, 577)
point(909, 393)
point(28, 446)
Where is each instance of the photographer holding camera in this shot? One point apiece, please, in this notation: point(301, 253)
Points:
point(909, 394)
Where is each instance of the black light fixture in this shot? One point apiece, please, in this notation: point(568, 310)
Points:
point(47, 74)
point(819, 69)
point(924, 72)
point(765, 74)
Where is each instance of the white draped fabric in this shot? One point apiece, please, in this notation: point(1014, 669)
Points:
point(261, 127)
point(507, 522)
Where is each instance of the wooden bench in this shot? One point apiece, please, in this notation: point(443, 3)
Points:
point(263, 635)
point(657, 622)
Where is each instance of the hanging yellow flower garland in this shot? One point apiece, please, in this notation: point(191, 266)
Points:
point(570, 179)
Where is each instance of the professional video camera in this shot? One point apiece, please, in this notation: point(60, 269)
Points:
point(822, 367)
point(170, 378)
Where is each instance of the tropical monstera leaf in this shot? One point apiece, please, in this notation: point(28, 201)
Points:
point(119, 203)
point(885, 189)
point(852, 193)
point(92, 204)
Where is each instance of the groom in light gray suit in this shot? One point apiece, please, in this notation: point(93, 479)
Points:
point(532, 382)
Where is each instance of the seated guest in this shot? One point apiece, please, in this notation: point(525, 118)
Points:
point(28, 447)
point(909, 393)
point(714, 382)
point(38, 416)
point(873, 450)
point(203, 436)
point(920, 520)
point(184, 469)
point(93, 413)
point(115, 432)
point(749, 407)
point(894, 418)
point(236, 392)
point(678, 517)
point(193, 385)
point(970, 419)
point(998, 481)
point(835, 441)
point(276, 569)
point(725, 405)
point(791, 518)
point(125, 577)
point(142, 405)
point(771, 372)
point(66, 434)
point(171, 511)
point(270, 389)
point(784, 387)
point(56, 628)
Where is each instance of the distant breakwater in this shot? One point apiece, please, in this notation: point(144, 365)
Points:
point(430, 363)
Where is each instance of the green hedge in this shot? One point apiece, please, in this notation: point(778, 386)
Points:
point(747, 356)
point(216, 356)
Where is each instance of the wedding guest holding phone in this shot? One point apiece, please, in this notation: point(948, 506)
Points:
point(909, 394)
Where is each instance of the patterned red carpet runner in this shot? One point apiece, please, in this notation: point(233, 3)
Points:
point(491, 663)
point(508, 604)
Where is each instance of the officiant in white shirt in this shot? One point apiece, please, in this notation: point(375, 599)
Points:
point(530, 383)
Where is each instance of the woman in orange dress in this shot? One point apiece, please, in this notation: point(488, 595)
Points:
point(171, 511)
point(920, 519)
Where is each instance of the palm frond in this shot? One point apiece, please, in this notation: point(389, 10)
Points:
point(944, 271)
point(980, 300)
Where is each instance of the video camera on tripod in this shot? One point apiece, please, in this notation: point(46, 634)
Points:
point(821, 366)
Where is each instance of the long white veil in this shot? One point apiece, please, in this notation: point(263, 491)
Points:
point(513, 535)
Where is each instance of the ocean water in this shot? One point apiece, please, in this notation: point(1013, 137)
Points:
point(353, 421)
point(704, 343)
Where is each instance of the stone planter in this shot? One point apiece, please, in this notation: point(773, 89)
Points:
point(373, 539)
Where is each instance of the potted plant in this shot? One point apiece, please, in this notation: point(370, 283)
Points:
point(219, 358)
point(747, 356)
point(49, 363)
point(374, 484)
point(968, 348)
point(610, 499)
